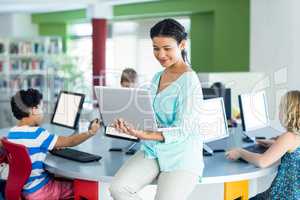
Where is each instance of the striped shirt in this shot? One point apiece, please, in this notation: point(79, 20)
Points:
point(38, 142)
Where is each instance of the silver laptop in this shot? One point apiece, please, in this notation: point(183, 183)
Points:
point(255, 116)
point(134, 105)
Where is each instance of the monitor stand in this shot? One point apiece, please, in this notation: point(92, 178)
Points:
point(208, 149)
point(76, 130)
point(129, 150)
point(247, 139)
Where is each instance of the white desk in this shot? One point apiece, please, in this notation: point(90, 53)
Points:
point(218, 169)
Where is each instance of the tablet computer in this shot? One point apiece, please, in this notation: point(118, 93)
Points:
point(134, 105)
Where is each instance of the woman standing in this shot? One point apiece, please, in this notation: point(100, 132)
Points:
point(173, 156)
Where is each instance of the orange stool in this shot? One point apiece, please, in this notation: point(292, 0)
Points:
point(236, 190)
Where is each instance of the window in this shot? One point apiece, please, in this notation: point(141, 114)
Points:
point(130, 46)
point(79, 60)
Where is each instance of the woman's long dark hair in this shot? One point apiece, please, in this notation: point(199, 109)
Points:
point(170, 28)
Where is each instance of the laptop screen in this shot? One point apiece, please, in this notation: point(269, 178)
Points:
point(67, 109)
point(254, 112)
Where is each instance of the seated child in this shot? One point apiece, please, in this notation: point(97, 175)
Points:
point(286, 148)
point(27, 108)
point(128, 78)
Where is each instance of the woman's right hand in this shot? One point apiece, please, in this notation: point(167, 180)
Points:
point(118, 125)
point(264, 142)
point(122, 126)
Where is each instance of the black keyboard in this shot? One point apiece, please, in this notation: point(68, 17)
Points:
point(76, 155)
point(256, 148)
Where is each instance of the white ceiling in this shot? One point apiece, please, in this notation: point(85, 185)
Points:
point(34, 6)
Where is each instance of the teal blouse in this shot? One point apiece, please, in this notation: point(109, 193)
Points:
point(177, 106)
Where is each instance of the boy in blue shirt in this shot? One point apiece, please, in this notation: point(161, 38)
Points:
point(27, 108)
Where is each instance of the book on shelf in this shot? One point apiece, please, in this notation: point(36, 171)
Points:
point(35, 82)
point(30, 63)
point(13, 48)
point(32, 81)
point(26, 64)
point(38, 48)
point(3, 83)
point(55, 46)
point(1, 65)
point(2, 48)
point(27, 48)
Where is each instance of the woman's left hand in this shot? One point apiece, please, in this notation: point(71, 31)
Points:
point(124, 127)
point(233, 154)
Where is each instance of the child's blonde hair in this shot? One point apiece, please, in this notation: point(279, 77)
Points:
point(290, 111)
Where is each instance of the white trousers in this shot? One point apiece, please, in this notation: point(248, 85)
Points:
point(139, 171)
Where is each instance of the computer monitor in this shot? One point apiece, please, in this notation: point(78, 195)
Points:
point(67, 109)
point(209, 93)
point(254, 112)
point(213, 123)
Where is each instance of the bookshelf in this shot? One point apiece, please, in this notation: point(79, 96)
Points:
point(26, 63)
point(30, 63)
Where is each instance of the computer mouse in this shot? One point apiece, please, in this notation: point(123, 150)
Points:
point(242, 160)
point(130, 152)
point(219, 150)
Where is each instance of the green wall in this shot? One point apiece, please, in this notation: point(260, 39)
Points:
point(220, 33)
point(161, 8)
point(56, 23)
point(219, 29)
point(232, 35)
point(60, 17)
point(202, 31)
point(53, 29)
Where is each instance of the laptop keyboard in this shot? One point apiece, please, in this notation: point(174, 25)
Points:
point(76, 155)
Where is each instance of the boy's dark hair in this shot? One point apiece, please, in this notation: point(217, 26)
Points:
point(23, 100)
point(128, 75)
point(170, 28)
